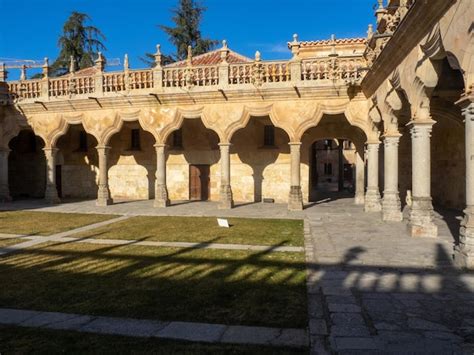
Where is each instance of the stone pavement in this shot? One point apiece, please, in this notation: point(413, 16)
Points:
point(371, 287)
point(188, 245)
point(53, 237)
point(188, 331)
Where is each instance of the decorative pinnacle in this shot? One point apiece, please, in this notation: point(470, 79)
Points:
point(224, 44)
point(125, 62)
point(46, 67)
point(158, 49)
point(72, 65)
point(380, 4)
point(23, 72)
point(257, 56)
point(158, 55)
point(190, 55)
point(370, 31)
point(100, 61)
point(295, 38)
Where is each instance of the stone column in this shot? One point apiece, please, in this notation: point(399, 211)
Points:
point(391, 206)
point(372, 196)
point(225, 195)
point(359, 178)
point(464, 251)
point(4, 188)
point(51, 193)
point(103, 193)
point(421, 214)
point(295, 201)
point(161, 191)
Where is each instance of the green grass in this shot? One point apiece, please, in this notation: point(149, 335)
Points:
point(45, 223)
point(215, 286)
point(5, 242)
point(204, 230)
point(15, 340)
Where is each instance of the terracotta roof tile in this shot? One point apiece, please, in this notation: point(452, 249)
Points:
point(213, 58)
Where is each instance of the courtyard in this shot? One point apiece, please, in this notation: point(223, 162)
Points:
point(304, 281)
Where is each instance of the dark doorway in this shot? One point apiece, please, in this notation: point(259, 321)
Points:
point(59, 184)
point(199, 182)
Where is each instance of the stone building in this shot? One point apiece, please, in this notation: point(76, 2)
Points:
point(224, 127)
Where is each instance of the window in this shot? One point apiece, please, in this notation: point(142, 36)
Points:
point(327, 169)
point(178, 138)
point(82, 141)
point(135, 139)
point(269, 136)
point(328, 144)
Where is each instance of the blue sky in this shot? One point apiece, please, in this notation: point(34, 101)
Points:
point(30, 28)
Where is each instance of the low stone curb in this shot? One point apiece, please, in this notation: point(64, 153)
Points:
point(188, 331)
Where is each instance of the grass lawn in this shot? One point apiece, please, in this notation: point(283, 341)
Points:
point(204, 230)
point(5, 242)
point(215, 286)
point(16, 340)
point(45, 223)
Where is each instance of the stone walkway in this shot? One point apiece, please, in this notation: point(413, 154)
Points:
point(188, 245)
point(53, 237)
point(188, 331)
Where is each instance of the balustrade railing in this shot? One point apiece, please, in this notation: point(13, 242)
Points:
point(256, 73)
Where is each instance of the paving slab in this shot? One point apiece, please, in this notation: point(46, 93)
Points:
point(250, 335)
point(15, 316)
point(124, 326)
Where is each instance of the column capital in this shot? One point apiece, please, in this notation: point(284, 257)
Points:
point(428, 122)
point(102, 147)
point(52, 150)
point(295, 143)
point(160, 145)
point(226, 144)
point(391, 134)
point(466, 100)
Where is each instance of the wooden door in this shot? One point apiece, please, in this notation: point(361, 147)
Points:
point(199, 182)
point(59, 181)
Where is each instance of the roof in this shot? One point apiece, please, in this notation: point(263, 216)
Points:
point(213, 58)
point(328, 42)
point(89, 71)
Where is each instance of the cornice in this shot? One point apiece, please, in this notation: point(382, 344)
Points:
point(420, 19)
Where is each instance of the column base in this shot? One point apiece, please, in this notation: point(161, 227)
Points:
point(391, 207)
point(295, 200)
point(372, 201)
point(225, 198)
point(51, 195)
point(161, 196)
point(421, 218)
point(103, 197)
point(464, 251)
point(359, 198)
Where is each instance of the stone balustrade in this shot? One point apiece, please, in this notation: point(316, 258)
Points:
point(316, 71)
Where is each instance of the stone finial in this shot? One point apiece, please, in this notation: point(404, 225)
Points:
point(258, 56)
point(224, 51)
point(380, 11)
point(72, 65)
point(333, 45)
point(3, 72)
point(23, 72)
point(125, 62)
point(100, 62)
point(45, 68)
point(295, 47)
point(370, 31)
point(190, 55)
point(158, 55)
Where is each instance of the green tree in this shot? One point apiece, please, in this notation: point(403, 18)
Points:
point(187, 18)
point(79, 40)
